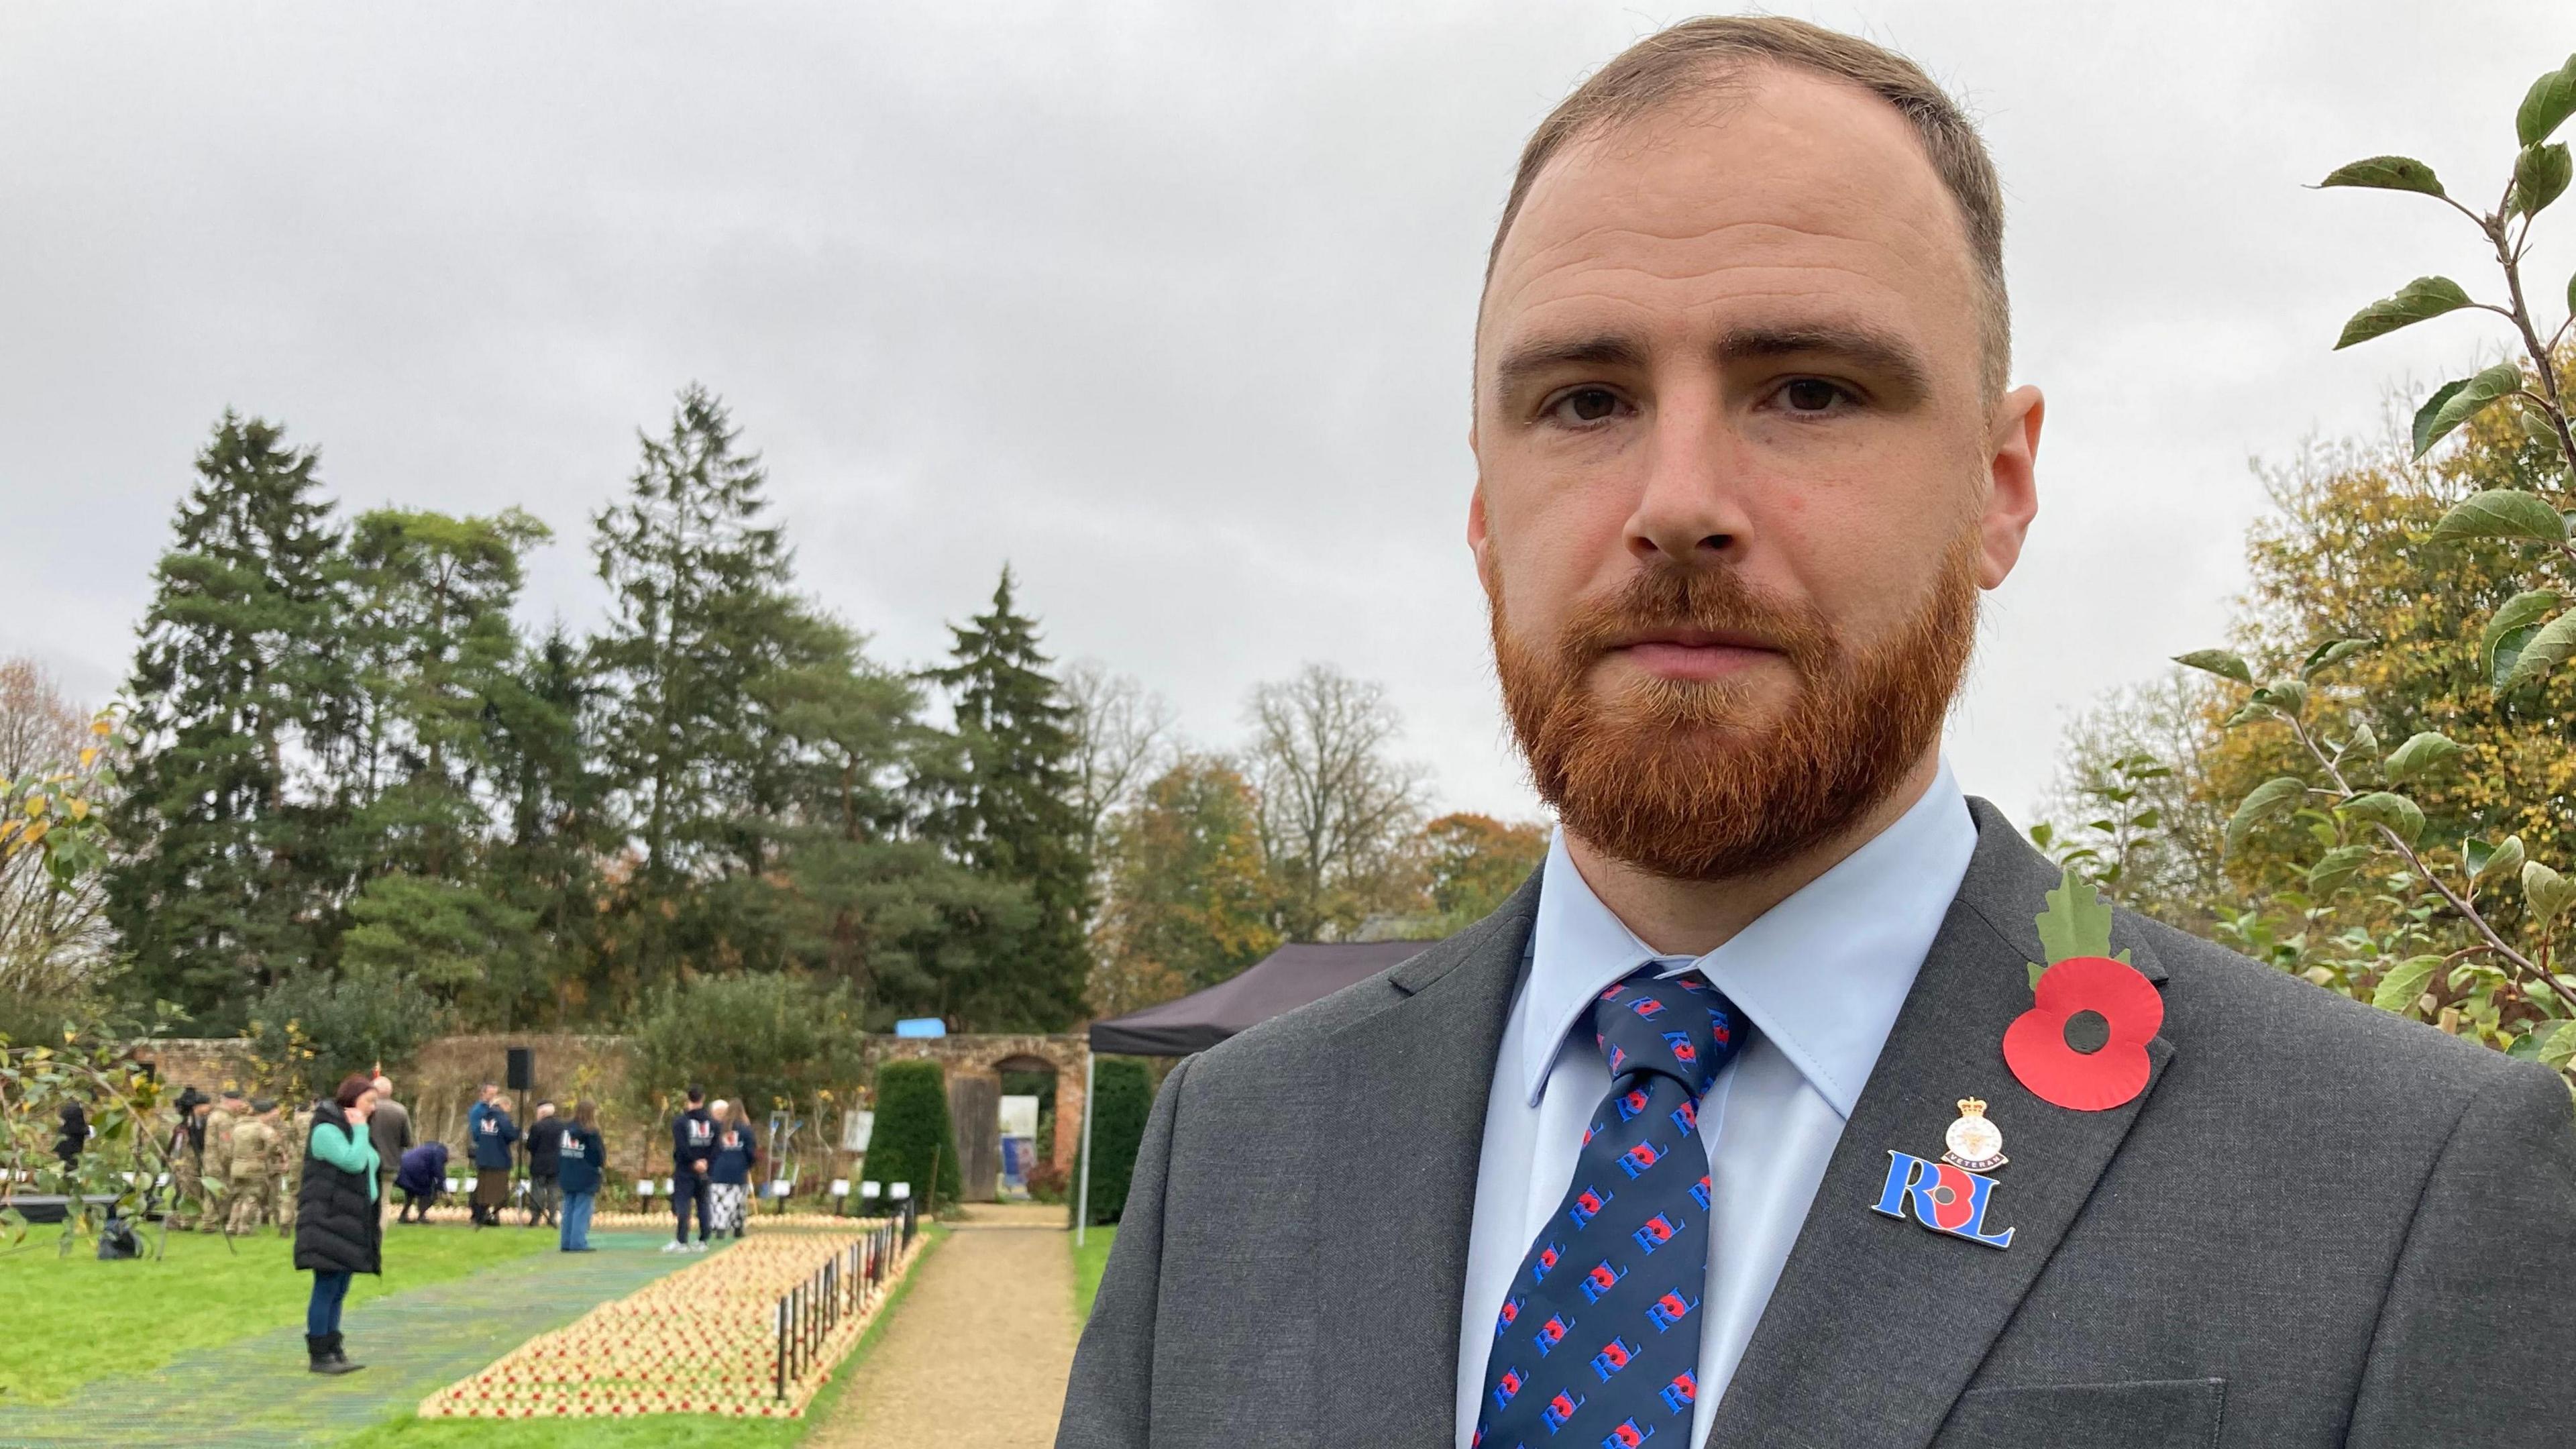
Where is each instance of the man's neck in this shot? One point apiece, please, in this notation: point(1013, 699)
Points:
point(1693, 918)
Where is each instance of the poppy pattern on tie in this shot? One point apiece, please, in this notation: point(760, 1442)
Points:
point(1597, 1342)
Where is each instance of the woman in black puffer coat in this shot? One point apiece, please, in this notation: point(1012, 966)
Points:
point(338, 1232)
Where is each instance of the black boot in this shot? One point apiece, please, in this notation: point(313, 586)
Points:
point(340, 1361)
point(323, 1350)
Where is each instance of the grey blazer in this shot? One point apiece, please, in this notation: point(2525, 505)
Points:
point(2318, 1225)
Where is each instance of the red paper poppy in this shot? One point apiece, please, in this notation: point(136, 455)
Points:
point(2116, 1004)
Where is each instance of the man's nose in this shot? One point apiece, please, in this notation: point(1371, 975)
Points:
point(1690, 509)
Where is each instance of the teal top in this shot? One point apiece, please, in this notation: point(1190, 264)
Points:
point(350, 1151)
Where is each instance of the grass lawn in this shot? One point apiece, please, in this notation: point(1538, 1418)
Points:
point(76, 1319)
point(1089, 1262)
point(652, 1431)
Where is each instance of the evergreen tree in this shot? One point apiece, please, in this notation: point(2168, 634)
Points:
point(227, 876)
point(700, 614)
point(432, 596)
point(551, 798)
point(1014, 817)
point(867, 898)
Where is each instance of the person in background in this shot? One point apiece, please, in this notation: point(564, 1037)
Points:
point(186, 1151)
point(338, 1233)
point(545, 1142)
point(290, 1174)
point(729, 1172)
point(389, 1126)
point(490, 1134)
point(217, 1167)
point(73, 1138)
point(252, 1187)
point(421, 1176)
point(693, 1141)
point(581, 1154)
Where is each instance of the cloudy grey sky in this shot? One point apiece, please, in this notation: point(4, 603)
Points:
point(1167, 304)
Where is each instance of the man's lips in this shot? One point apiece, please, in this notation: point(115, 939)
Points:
point(1693, 653)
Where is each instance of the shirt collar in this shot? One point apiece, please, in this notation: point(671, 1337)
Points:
point(1822, 975)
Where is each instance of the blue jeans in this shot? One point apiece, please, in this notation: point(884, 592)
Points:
point(576, 1219)
point(322, 1314)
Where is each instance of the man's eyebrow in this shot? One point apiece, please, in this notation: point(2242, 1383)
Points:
point(1542, 355)
point(1890, 356)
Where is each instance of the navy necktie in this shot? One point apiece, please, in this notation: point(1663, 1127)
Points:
point(1598, 1339)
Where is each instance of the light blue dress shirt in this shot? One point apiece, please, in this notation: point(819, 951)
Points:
point(1821, 975)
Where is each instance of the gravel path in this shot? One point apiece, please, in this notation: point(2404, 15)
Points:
point(978, 1351)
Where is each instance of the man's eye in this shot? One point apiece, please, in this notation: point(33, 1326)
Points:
point(1586, 405)
point(1810, 395)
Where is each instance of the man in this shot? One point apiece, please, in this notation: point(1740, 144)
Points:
point(545, 1156)
point(290, 1167)
point(252, 1186)
point(389, 1126)
point(423, 1176)
point(693, 1143)
point(186, 1151)
point(490, 1136)
point(216, 1170)
point(1652, 1152)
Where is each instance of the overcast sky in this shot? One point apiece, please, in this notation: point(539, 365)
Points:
point(1168, 305)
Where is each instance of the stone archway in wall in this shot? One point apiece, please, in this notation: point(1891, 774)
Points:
point(980, 1060)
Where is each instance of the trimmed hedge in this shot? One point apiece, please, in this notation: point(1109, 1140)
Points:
point(912, 1125)
point(1120, 1101)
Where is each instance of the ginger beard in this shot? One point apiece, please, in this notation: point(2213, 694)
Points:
point(1671, 776)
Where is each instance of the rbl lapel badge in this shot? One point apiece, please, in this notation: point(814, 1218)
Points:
point(1950, 1196)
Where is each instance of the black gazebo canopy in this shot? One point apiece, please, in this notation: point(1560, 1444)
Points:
point(1282, 981)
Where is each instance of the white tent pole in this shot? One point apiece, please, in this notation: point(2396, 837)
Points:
point(1082, 1199)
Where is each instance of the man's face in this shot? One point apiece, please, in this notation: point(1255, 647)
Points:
point(1738, 474)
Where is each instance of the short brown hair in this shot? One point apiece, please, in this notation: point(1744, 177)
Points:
point(352, 1087)
point(1701, 56)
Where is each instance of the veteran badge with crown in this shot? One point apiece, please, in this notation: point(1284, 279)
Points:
point(1976, 1143)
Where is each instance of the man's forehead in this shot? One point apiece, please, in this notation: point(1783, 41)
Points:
point(1781, 189)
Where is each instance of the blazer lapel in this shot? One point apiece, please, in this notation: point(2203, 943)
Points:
point(1876, 1324)
point(1396, 1175)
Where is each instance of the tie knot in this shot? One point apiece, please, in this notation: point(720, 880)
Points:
point(1673, 1026)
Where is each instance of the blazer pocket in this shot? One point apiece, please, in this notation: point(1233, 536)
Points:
point(2140, 1414)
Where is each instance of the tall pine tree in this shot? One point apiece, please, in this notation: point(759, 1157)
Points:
point(230, 871)
point(1012, 815)
point(700, 613)
point(551, 797)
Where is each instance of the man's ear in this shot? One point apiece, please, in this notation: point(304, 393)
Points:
point(2012, 484)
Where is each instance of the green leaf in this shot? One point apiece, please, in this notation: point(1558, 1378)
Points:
point(2386, 173)
point(2453, 405)
point(2289, 696)
point(2402, 816)
point(2363, 742)
point(2272, 797)
point(2559, 1047)
point(2338, 866)
point(2420, 753)
point(2523, 609)
point(2331, 653)
point(2545, 891)
point(2076, 923)
point(2419, 299)
point(2218, 662)
point(2551, 99)
point(2540, 176)
point(2508, 654)
point(2036, 972)
point(2503, 513)
point(2403, 986)
point(2544, 651)
point(2504, 862)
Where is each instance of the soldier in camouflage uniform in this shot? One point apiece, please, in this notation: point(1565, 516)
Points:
point(254, 1169)
point(187, 1157)
point(290, 1169)
point(217, 1163)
